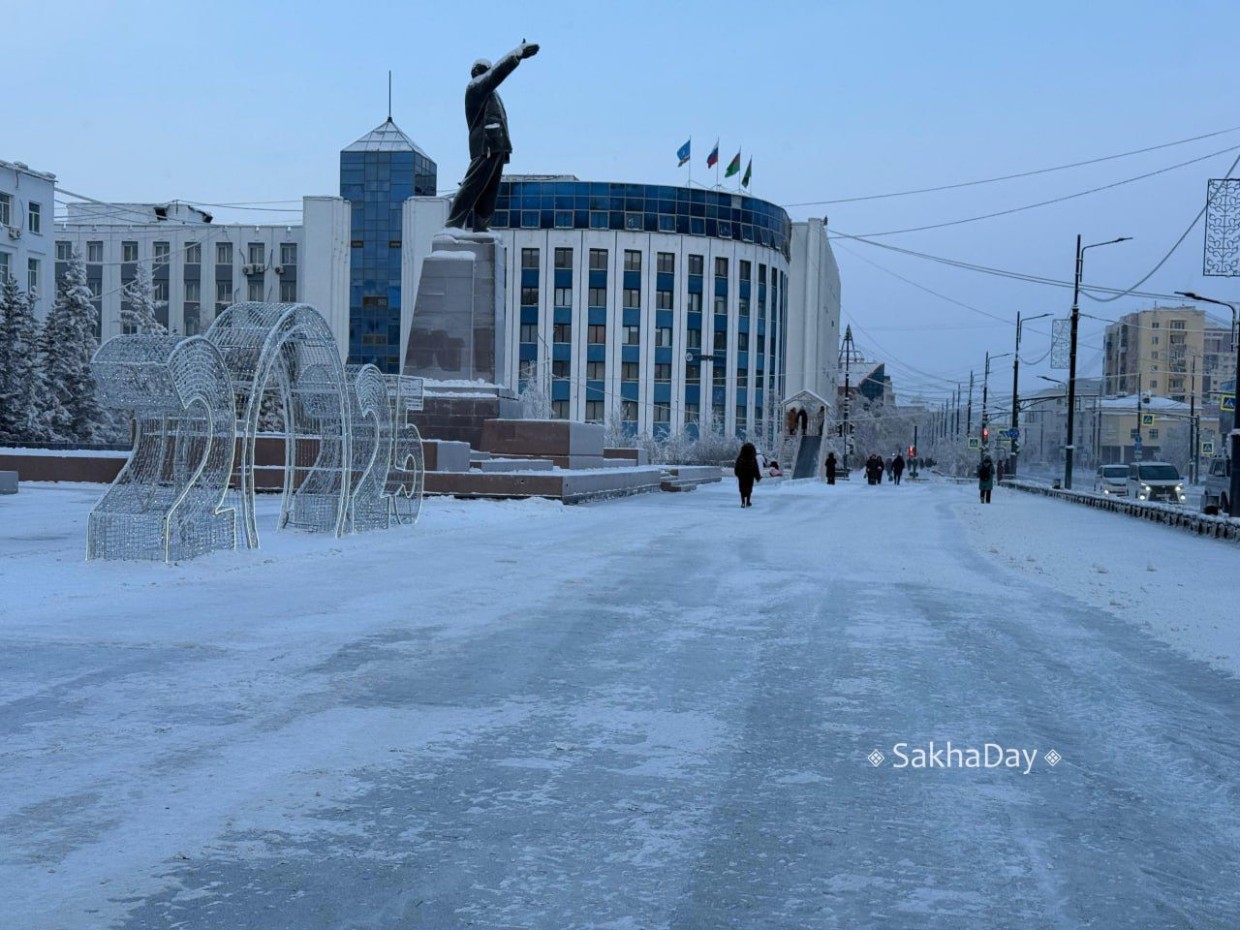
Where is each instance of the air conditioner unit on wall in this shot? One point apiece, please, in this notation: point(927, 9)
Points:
point(279, 269)
point(14, 232)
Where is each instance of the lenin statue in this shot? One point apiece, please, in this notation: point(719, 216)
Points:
point(489, 145)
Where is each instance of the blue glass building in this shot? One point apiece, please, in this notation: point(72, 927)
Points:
point(378, 173)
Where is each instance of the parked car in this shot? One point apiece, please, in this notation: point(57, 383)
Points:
point(1112, 479)
point(1155, 481)
point(1217, 485)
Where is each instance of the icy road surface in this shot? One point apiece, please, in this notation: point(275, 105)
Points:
point(650, 713)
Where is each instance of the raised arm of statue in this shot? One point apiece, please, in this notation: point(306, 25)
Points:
point(490, 79)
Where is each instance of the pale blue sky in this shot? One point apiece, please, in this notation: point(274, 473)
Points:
point(230, 101)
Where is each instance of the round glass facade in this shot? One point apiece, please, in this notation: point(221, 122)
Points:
point(656, 208)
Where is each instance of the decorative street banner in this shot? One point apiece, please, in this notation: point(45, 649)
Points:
point(1222, 240)
point(1061, 336)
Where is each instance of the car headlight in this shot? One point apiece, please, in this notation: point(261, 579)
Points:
point(1179, 489)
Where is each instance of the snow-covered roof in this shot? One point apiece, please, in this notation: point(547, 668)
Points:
point(807, 394)
point(385, 138)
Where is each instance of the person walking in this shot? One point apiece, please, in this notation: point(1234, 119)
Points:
point(747, 472)
point(985, 479)
point(897, 468)
point(830, 468)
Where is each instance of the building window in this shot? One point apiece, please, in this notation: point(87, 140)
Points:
point(560, 369)
point(628, 371)
point(94, 251)
point(663, 336)
point(563, 296)
point(632, 298)
point(288, 292)
point(596, 334)
point(719, 377)
point(193, 291)
point(129, 251)
point(255, 291)
point(159, 291)
point(662, 413)
point(666, 262)
point(695, 303)
point(663, 371)
point(632, 260)
point(596, 371)
point(598, 259)
point(742, 342)
point(692, 413)
point(594, 411)
point(529, 258)
point(96, 288)
point(32, 275)
point(1153, 433)
point(529, 332)
point(632, 335)
point(34, 214)
point(1177, 324)
point(564, 258)
point(562, 332)
point(529, 296)
point(193, 253)
point(721, 306)
point(6, 209)
point(223, 292)
point(628, 410)
point(559, 409)
point(598, 297)
point(663, 300)
point(742, 306)
point(693, 339)
point(695, 264)
point(223, 253)
point(721, 341)
point(288, 253)
point(258, 253)
point(745, 270)
point(160, 252)
point(721, 267)
point(64, 251)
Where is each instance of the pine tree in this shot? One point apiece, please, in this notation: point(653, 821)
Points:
point(139, 306)
point(22, 387)
point(68, 343)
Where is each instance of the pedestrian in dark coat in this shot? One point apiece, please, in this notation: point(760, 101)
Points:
point(747, 472)
point(830, 468)
point(986, 479)
point(897, 468)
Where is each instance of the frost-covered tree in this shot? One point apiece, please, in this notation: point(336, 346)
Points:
point(139, 306)
point(67, 344)
point(23, 392)
point(615, 435)
point(535, 401)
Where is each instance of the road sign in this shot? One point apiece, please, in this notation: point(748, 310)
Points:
point(1207, 447)
point(974, 442)
point(1136, 442)
point(1134, 433)
point(1147, 419)
point(1227, 403)
point(1013, 433)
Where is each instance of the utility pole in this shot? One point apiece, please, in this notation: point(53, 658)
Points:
point(1192, 418)
point(968, 426)
point(1138, 454)
point(956, 418)
point(847, 352)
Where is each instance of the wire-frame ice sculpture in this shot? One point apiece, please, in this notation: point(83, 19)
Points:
point(290, 347)
point(167, 503)
point(372, 449)
point(407, 472)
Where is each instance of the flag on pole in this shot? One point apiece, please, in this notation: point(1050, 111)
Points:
point(748, 173)
point(683, 154)
point(713, 158)
point(734, 166)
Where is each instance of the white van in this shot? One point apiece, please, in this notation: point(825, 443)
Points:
point(1156, 481)
point(1217, 485)
point(1112, 480)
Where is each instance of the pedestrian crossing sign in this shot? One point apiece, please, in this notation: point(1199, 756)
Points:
point(1227, 403)
point(974, 442)
point(1147, 419)
point(1207, 447)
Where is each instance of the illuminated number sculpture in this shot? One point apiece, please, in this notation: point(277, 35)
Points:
point(167, 503)
point(352, 459)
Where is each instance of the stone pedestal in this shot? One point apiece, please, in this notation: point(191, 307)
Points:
point(458, 317)
point(458, 413)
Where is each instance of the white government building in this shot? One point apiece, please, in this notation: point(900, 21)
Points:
point(672, 305)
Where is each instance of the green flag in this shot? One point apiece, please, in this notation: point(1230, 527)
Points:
point(748, 173)
point(734, 166)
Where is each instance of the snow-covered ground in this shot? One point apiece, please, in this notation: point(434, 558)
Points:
point(652, 712)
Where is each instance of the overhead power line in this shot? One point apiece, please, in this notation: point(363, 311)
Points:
point(1011, 177)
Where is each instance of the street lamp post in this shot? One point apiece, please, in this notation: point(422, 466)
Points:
point(1233, 498)
point(1016, 391)
point(1076, 317)
point(985, 399)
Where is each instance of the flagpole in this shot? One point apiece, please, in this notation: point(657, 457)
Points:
point(690, 162)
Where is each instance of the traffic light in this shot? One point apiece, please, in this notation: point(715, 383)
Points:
point(912, 451)
point(985, 434)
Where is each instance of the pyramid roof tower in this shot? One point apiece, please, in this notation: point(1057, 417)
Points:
point(386, 137)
